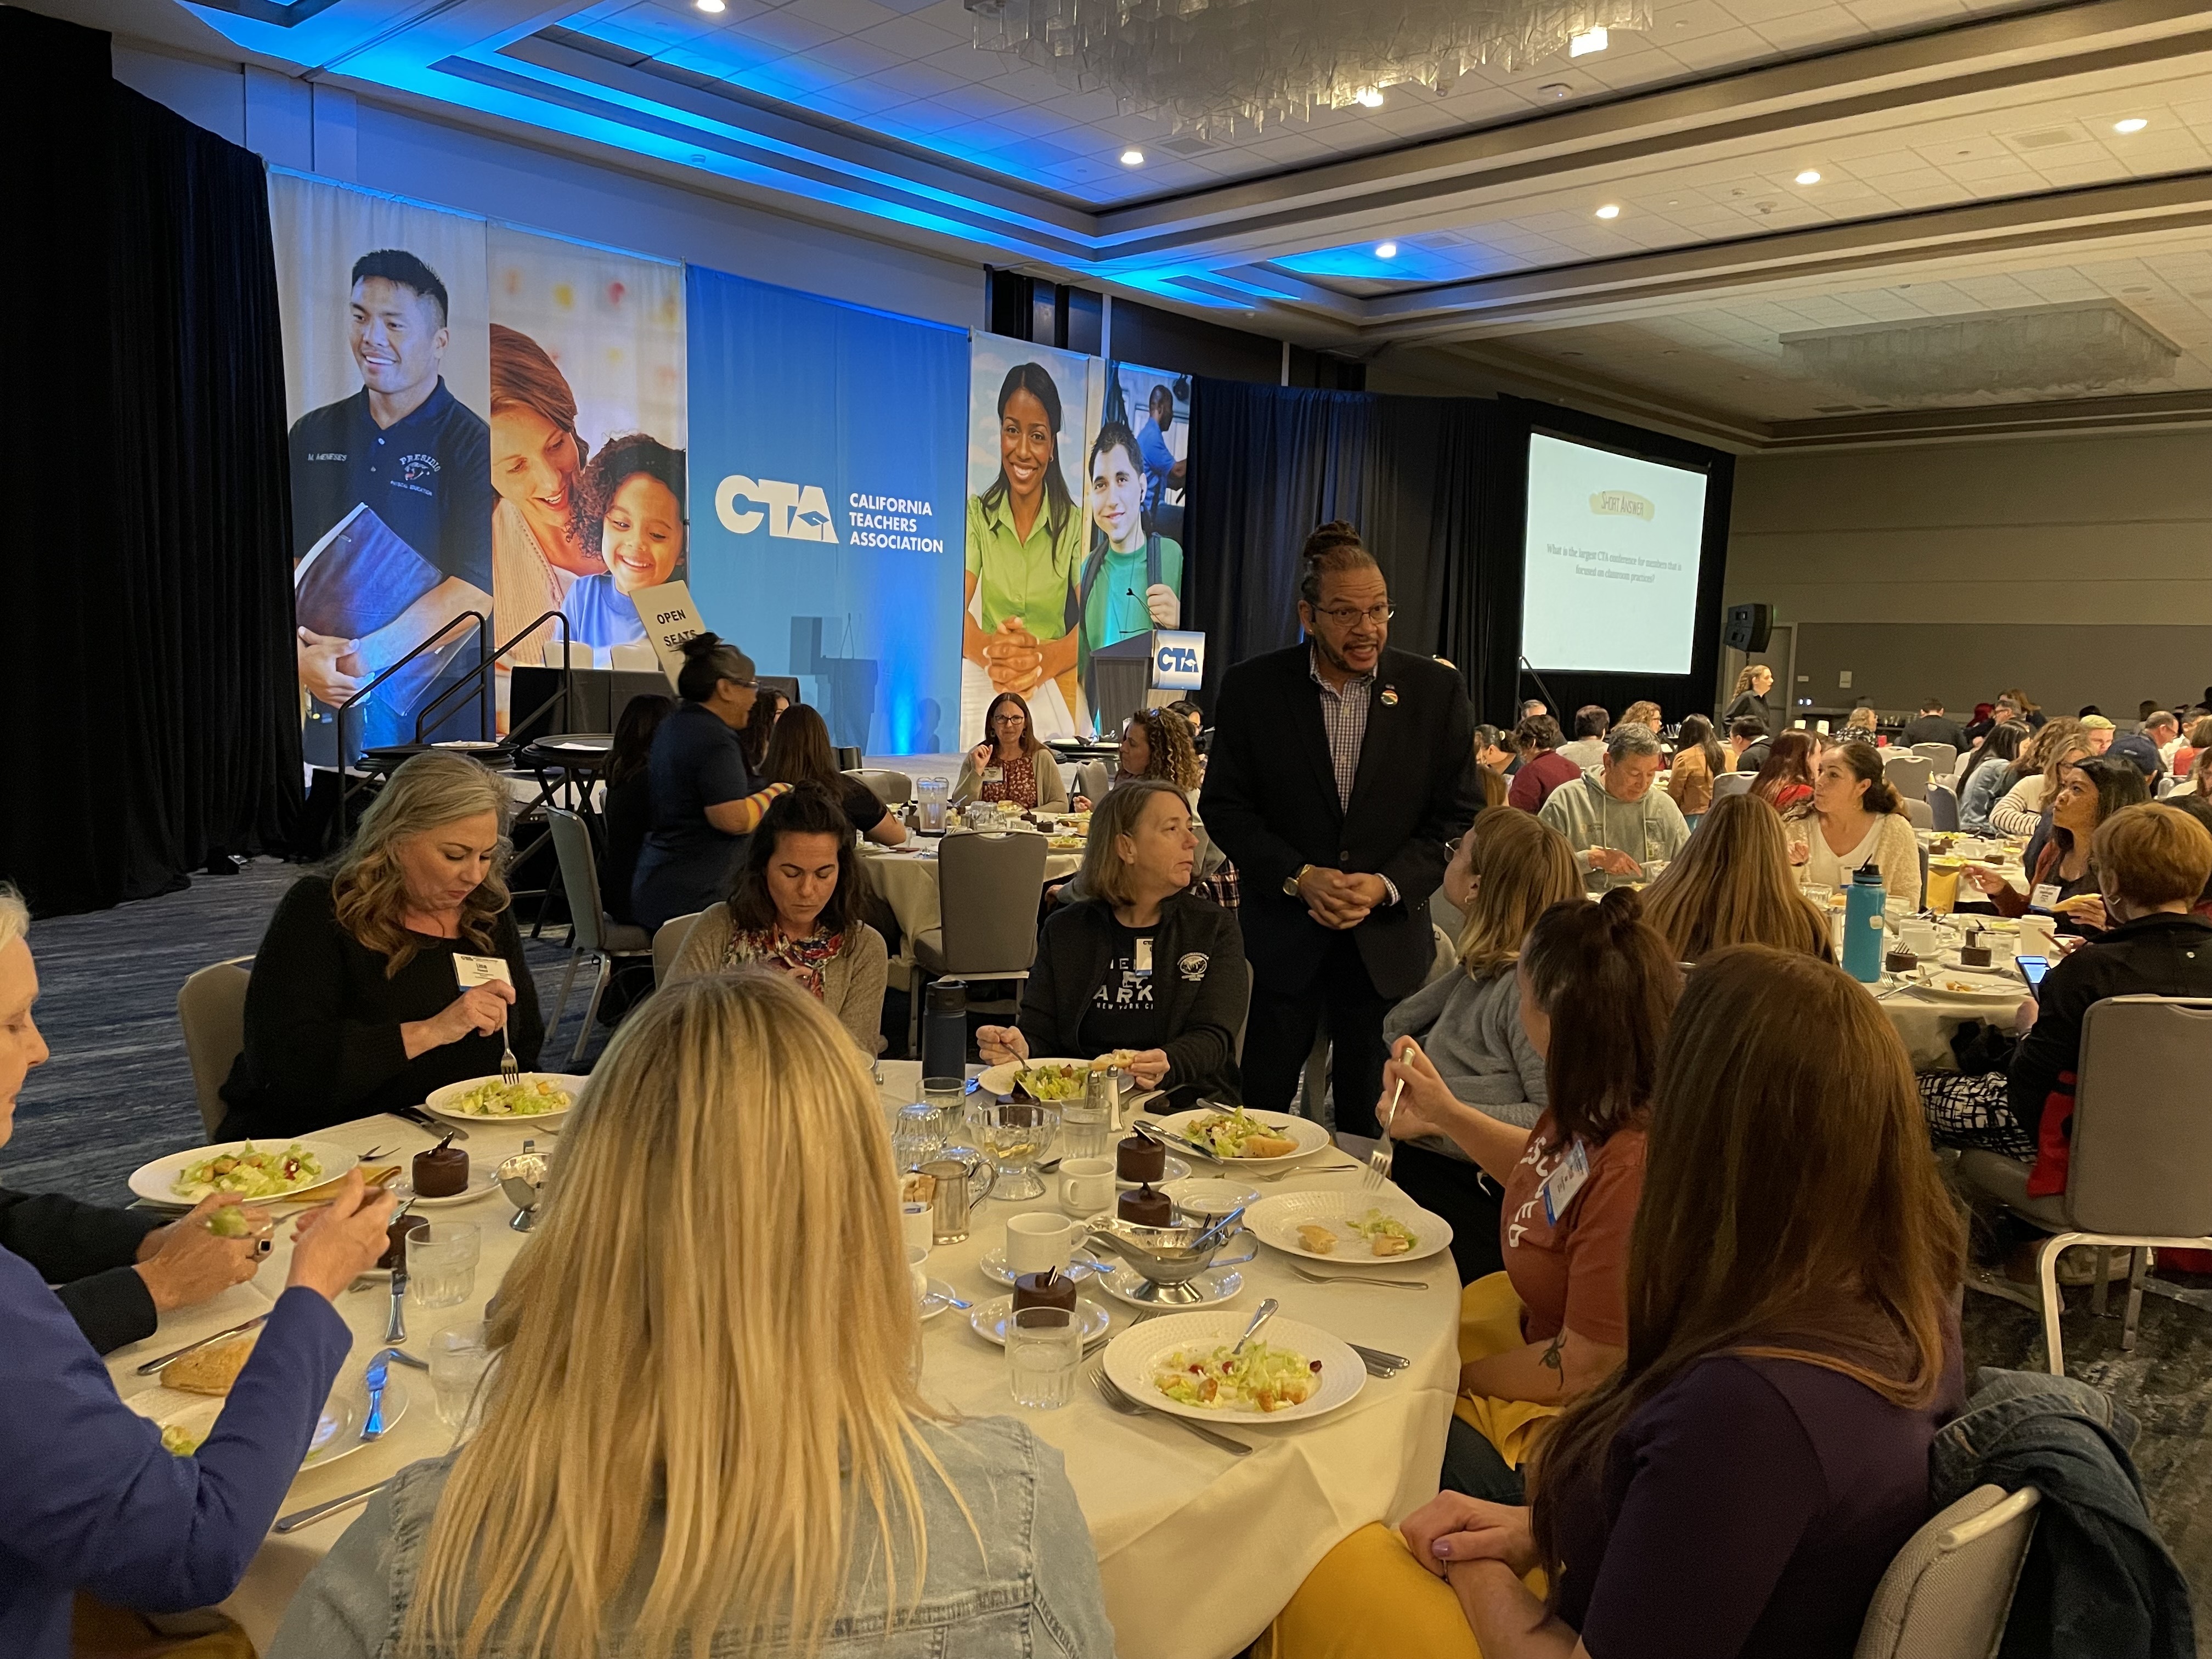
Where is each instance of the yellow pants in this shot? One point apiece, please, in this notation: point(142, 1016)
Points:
point(1369, 1598)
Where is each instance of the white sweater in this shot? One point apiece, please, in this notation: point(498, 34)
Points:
point(2021, 810)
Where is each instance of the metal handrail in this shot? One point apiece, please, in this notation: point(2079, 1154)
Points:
point(486, 665)
point(346, 786)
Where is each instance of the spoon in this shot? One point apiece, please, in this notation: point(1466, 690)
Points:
point(1267, 1312)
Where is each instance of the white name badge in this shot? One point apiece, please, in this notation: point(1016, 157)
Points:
point(1566, 1179)
point(1144, 956)
point(2044, 897)
point(995, 774)
point(481, 970)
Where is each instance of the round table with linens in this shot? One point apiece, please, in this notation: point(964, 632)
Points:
point(1198, 1549)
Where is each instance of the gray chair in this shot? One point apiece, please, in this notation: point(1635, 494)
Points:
point(668, 942)
point(1918, 813)
point(1948, 1591)
point(1731, 783)
point(1092, 781)
point(894, 789)
point(1943, 807)
point(592, 932)
point(211, 1010)
point(1943, 759)
point(2141, 1170)
point(1908, 772)
point(988, 883)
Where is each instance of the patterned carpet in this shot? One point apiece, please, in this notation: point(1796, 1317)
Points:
point(118, 1091)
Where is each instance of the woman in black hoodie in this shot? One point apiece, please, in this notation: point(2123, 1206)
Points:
point(1143, 965)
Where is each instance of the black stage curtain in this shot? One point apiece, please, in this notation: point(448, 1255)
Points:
point(1436, 487)
point(148, 672)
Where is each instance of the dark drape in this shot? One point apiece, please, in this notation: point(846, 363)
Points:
point(1436, 486)
point(148, 672)
point(1269, 463)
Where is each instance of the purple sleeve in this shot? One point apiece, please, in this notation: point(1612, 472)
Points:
point(1724, 1483)
point(93, 1499)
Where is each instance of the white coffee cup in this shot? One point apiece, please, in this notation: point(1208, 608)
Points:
point(2036, 934)
point(915, 1256)
point(914, 1224)
point(1035, 1242)
point(1086, 1185)
point(1918, 937)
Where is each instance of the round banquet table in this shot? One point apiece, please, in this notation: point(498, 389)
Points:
point(908, 881)
point(1198, 1550)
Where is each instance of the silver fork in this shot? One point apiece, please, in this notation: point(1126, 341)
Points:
point(1312, 1278)
point(1110, 1392)
point(1378, 1161)
point(509, 1072)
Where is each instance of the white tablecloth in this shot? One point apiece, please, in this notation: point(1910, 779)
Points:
point(1198, 1549)
point(908, 882)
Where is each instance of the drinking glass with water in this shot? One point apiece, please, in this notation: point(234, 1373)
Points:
point(1044, 1351)
point(441, 1263)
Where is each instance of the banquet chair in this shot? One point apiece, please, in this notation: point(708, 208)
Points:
point(1942, 807)
point(668, 941)
point(2139, 1084)
point(211, 1010)
point(1731, 783)
point(1919, 813)
point(987, 887)
point(1948, 1592)
point(1091, 780)
point(592, 932)
point(892, 788)
point(1943, 759)
point(1907, 772)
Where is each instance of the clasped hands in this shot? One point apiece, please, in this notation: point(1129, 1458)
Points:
point(1013, 657)
point(1452, 1529)
point(1340, 899)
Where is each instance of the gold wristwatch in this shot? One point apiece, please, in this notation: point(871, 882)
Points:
point(1291, 887)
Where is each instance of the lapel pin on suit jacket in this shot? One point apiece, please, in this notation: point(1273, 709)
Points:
point(1390, 696)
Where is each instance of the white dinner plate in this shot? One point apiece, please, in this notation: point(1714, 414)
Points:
point(154, 1181)
point(1309, 1135)
point(1277, 1220)
point(337, 1431)
point(1000, 1079)
point(440, 1102)
point(989, 1320)
point(1134, 1357)
point(1996, 996)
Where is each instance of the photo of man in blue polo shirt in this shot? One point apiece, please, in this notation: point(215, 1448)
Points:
point(404, 448)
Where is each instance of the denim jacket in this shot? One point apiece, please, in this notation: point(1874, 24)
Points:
point(2098, 1581)
point(1032, 1590)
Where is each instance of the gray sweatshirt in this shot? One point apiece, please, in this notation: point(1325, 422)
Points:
point(1470, 1028)
point(1646, 830)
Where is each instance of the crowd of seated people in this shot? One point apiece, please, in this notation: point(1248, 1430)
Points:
point(1709, 1270)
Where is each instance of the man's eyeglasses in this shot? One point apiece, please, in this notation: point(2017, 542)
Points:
point(1345, 615)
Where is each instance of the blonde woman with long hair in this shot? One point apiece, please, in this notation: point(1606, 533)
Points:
point(702, 1428)
point(1508, 869)
point(355, 1005)
point(2061, 743)
point(1733, 884)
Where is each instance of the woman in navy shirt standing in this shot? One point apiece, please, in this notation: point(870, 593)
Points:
point(92, 1496)
point(706, 801)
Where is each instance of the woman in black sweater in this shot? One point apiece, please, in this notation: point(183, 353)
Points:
point(356, 1004)
point(1143, 965)
point(627, 813)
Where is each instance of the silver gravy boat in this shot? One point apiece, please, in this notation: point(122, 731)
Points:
point(1168, 1258)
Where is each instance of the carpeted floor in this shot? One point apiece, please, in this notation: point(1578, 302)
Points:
point(117, 1091)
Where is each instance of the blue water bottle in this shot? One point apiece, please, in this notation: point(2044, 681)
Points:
point(1862, 924)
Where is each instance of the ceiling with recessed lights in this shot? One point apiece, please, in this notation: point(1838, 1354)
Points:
point(1632, 225)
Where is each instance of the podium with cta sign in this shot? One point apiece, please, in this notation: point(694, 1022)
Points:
point(1144, 670)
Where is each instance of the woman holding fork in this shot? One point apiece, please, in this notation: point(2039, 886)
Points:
point(364, 994)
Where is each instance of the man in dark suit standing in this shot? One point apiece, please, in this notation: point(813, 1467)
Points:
point(1339, 770)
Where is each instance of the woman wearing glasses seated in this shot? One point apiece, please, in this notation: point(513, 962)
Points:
point(705, 799)
point(1010, 764)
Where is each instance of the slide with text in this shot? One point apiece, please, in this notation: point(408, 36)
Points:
point(1610, 567)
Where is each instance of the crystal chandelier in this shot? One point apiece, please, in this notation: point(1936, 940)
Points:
point(1210, 66)
point(2093, 345)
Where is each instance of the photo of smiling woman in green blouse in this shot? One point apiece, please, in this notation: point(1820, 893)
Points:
point(1025, 537)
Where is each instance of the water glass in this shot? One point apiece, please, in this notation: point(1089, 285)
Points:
point(441, 1263)
point(1086, 1127)
point(947, 1097)
point(917, 1136)
point(458, 1359)
point(1044, 1349)
point(931, 794)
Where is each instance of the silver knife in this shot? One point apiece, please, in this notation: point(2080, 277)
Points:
point(374, 1427)
point(153, 1366)
point(395, 1328)
point(436, 1126)
point(1169, 1137)
point(305, 1517)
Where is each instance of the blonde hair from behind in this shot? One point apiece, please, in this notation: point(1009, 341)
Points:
point(368, 889)
point(1522, 868)
point(713, 1320)
point(1733, 884)
point(14, 917)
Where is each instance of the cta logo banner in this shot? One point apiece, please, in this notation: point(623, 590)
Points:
point(826, 501)
point(1178, 661)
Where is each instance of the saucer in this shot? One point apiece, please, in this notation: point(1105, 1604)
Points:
point(989, 1319)
point(938, 1299)
point(1176, 1169)
point(994, 1265)
point(1214, 1284)
point(482, 1184)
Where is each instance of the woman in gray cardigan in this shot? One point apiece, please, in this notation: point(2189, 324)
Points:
point(1510, 868)
point(795, 905)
